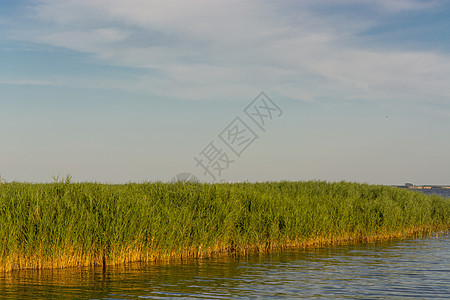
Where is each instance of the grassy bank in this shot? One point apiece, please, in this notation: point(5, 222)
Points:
point(73, 224)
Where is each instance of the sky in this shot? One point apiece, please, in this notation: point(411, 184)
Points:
point(140, 90)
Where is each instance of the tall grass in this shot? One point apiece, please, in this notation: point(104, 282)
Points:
point(71, 224)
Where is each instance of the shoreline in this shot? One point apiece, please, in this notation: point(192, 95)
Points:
point(30, 263)
point(85, 224)
point(63, 262)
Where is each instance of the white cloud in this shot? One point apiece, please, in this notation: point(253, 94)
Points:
point(401, 5)
point(202, 49)
point(26, 82)
point(387, 5)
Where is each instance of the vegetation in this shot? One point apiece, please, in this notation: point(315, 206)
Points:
point(72, 224)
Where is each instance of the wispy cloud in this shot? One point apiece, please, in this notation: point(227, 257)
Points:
point(201, 49)
point(384, 5)
point(26, 82)
point(406, 5)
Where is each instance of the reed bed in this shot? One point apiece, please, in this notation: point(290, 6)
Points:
point(67, 224)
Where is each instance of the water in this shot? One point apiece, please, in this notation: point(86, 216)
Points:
point(440, 192)
point(415, 268)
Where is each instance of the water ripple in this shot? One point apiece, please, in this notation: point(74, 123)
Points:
point(416, 268)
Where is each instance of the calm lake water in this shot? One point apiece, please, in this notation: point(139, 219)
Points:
point(415, 268)
point(441, 192)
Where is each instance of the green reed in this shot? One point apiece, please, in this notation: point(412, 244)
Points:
point(70, 224)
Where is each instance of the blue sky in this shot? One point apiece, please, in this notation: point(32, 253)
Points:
point(118, 91)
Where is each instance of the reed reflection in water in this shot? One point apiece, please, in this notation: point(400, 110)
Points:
point(416, 268)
